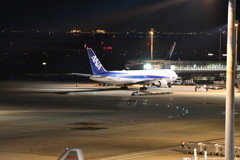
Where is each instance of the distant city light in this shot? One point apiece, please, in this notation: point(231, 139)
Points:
point(75, 31)
point(44, 63)
point(100, 31)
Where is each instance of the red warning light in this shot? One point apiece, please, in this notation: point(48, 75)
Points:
point(107, 48)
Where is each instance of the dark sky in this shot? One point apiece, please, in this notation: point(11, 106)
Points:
point(115, 15)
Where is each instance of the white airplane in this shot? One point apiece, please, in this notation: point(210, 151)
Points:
point(125, 78)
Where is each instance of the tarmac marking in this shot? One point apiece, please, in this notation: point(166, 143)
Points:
point(140, 156)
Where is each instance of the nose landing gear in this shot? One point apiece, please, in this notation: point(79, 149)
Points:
point(143, 88)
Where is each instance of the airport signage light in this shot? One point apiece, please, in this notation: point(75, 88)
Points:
point(107, 48)
point(210, 54)
point(148, 66)
point(236, 24)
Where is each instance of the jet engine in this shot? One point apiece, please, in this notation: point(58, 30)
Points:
point(161, 83)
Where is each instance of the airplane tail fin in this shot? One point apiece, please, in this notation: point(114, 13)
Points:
point(96, 65)
point(72, 154)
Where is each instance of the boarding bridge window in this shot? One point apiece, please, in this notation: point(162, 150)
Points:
point(173, 67)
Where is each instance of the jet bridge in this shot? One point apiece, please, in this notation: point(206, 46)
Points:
point(214, 70)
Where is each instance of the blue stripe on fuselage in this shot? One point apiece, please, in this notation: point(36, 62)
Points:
point(133, 76)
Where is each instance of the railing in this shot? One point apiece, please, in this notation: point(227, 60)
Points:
point(221, 158)
point(218, 158)
point(200, 67)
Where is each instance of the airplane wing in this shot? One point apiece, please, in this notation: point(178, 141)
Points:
point(61, 74)
point(44, 74)
point(147, 81)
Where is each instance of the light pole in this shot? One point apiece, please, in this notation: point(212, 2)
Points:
point(236, 42)
point(151, 32)
point(231, 68)
point(220, 45)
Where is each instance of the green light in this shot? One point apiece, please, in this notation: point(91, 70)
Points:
point(177, 107)
point(183, 109)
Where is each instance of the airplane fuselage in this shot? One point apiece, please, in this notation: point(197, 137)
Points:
point(159, 78)
point(134, 76)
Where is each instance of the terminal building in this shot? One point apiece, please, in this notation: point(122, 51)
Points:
point(197, 71)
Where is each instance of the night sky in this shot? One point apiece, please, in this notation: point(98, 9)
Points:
point(115, 15)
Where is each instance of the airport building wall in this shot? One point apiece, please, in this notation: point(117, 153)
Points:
point(196, 70)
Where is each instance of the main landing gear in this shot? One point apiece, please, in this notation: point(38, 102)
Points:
point(170, 85)
point(124, 87)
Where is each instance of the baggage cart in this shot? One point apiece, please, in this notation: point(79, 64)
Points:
point(189, 148)
point(211, 148)
point(221, 150)
point(237, 151)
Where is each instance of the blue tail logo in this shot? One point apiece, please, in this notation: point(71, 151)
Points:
point(96, 62)
point(96, 65)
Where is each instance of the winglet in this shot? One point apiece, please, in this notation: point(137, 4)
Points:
point(96, 65)
point(72, 154)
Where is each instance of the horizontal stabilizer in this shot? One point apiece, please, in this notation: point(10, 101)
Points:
point(81, 74)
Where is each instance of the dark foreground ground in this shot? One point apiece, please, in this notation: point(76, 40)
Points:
point(38, 120)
